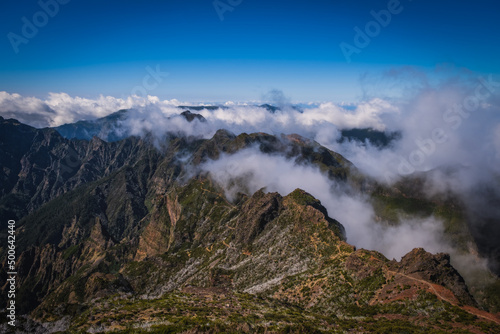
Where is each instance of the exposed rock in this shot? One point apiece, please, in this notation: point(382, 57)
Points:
point(123, 223)
point(258, 212)
point(435, 268)
point(189, 116)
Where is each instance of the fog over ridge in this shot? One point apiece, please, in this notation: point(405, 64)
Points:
point(450, 132)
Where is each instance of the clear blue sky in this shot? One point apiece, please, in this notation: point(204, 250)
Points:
point(103, 47)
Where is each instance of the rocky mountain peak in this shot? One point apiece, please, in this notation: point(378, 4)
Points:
point(116, 231)
point(435, 268)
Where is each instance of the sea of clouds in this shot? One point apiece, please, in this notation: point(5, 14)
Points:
point(450, 130)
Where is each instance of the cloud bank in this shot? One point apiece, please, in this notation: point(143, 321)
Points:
point(61, 108)
point(450, 130)
point(249, 170)
point(244, 172)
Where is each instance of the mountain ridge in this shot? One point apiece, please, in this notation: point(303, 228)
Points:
point(111, 127)
point(130, 224)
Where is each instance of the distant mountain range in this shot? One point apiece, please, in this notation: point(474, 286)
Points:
point(119, 235)
point(110, 128)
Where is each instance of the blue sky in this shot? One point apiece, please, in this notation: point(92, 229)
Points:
point(103, 47)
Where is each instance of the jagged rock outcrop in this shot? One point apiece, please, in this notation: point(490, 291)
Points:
point(435, 268)
point(189, 116)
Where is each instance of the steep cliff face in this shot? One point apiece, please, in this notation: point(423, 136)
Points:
point(15, 141)
point(132, 235)
point(41, 165)
point(435, 268)
point(194, 244)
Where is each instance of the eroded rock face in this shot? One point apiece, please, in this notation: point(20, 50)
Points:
point(257, 213)
point(159, 234)
point(435, 268)
point(189, 116)
point(46, 165)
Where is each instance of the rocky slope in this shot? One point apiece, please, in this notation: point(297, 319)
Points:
point(129, 239)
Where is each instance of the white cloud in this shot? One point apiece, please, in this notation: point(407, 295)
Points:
point(365, 115)
point(434, 134)
point(61, 108)
point(250, 170)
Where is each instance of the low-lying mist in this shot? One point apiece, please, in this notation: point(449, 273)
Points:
point(250, 169)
